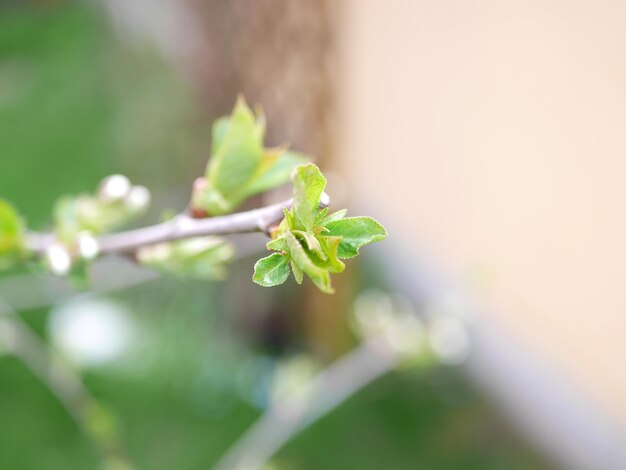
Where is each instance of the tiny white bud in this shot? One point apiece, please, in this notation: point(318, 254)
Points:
point(200, 184)
point(138, 198)
point(114, 187)
point(88, 245)
point(325, 200)
point(59, 259)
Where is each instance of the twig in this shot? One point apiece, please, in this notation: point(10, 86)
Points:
point(180, 227)
point(289, 416)
point(65, 384)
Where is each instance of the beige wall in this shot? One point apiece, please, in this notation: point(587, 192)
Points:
point(493, 135)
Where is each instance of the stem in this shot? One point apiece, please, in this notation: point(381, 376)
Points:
point(65, 384)
point(289, 416)
point(180, 227)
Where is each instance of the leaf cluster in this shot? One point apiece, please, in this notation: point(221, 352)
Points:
point(114, 205)
point(240, 166)
point(311, 241)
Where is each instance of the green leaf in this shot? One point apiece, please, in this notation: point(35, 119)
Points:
point(319, 276)
point(312, 243)
point(219, 131)
point(10, 227)
point(221, 126)
point(330, 245)
point(278, 244)
point(308, 186)
point(355, 232)
point(332, 217)
point(289, 222)
point(272, 270)
point(297, 272)
point(276, 172)
point(239, 166)
point(11, 234)
point(321, 215)
point(238, 147)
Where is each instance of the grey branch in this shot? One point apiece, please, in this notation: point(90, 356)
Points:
point(322, 394)
point(180, 227)
point(65, 383)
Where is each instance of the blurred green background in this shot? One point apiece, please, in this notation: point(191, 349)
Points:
point(76, 104)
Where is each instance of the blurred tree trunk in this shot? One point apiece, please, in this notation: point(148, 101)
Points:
point(278, 53)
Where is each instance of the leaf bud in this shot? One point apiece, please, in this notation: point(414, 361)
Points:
point(114, 188)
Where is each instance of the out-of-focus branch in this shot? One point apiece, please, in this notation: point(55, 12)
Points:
point(65, 384)
point(289, 416)
point(180, 227)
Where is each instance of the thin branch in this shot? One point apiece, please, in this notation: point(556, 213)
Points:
point(289, 416)
point(63, 382)
point(180, 227)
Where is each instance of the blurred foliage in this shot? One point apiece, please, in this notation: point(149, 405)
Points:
point(240, 166)
point(55, 105)
point(74, 106)
point(199, 258)
point(101, 213)
point(11, 233)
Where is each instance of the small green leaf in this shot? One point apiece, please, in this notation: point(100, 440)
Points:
point(221, 125)
point(312, 243)
point(10, 227)
point(332, 217)
point(355, 232)
point(11, 234)
point(239, 166)
point(321, 215)
point(278, 244)
point(271, 270)
point(238, 147)
point(297, 272)
point(219, 131)
point(319, 275)
point(308, 186)
point(330, 246)
point(289, 222)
